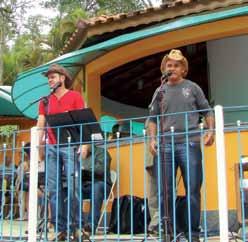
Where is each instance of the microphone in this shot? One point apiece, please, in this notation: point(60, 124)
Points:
point(55, 87)
point(165, 75)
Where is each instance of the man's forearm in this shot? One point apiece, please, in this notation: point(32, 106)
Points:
point(210, 123)
point(41, 126)
point(41, 135)
point(152, 129)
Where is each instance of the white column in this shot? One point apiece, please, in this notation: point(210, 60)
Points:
point(221, 173)
point(33, 186)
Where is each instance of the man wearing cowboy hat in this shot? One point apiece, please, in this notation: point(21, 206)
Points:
point(62, 99)
point(178, 102)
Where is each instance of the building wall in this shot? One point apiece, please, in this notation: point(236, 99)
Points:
point(228, 74)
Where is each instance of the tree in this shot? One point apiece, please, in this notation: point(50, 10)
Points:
point(6, 133)
point(65, 7)
point(118, 6)
point(97, 7)
point(30, 49)
point(62, 29)
point(11, 12)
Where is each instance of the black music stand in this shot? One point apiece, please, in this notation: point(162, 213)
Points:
point(80, 125)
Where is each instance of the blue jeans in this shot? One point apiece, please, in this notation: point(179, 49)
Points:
point(63, 163)
point(195, 179)
point(98, 189)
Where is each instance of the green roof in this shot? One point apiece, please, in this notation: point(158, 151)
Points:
point(31, 85)
point(8, 108)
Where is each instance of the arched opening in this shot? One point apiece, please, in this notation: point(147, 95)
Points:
point(134, 83)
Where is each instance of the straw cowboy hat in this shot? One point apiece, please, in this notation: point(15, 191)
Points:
point(177, 56)
point(55, 68)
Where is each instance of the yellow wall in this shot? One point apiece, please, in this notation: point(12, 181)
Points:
point(93, 90)
point(155, 44)
point(232, 157)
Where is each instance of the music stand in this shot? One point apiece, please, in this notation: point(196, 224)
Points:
point(80, 125)
point(91, 125)
point(73, 123)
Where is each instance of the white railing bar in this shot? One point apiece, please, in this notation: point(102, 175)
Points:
point(221, 173)
point(33, 186)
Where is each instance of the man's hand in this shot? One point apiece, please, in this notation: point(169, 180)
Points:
point(209, 138)
point(25, 166)
point(84, 151)
point(153, 146)
point(149, 171)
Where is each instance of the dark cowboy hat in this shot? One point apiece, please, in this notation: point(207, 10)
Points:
point(55, 68)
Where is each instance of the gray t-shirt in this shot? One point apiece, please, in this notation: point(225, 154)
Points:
point(177, 104)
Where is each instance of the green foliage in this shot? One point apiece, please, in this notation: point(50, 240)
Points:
point(6, 133)
point(8, 130)
point(96, 7)
point(31, 48)
point(118, 6)
point(63, 28)
point(67, 6)
point(11, 14)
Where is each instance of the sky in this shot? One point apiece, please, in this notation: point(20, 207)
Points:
point(156, 2)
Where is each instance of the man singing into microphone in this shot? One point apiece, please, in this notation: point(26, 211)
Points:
point(178, 102)
point(61, 100)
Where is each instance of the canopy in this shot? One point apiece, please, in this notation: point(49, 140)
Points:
point(31, 85)
point(8, 108)
point(107, 123)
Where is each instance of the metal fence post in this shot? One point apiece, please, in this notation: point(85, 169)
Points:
point(33, 186)
point(221, 173)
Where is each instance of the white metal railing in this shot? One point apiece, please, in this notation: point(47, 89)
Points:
point(221, 178)
point(34, 157)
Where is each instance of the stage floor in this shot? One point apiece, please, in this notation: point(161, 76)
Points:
point(17, 231)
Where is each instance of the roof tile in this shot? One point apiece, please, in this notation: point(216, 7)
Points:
point(174, 8)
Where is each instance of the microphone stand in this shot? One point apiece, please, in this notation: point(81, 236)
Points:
point(158, 90)
point(165, 219)
point(45, 98)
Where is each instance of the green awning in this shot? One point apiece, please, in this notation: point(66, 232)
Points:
point(8, 108)
point(31, 85)
point(107, 123)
